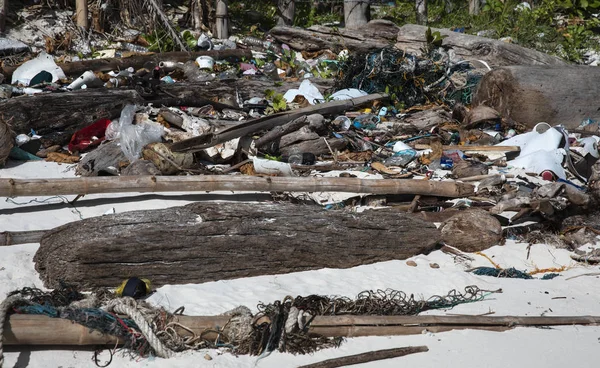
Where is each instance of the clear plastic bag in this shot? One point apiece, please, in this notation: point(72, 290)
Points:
point(134, 137)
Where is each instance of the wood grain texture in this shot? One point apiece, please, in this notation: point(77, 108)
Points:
point(208, 242)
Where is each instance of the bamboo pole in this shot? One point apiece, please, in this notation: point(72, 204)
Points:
point(370, 356)
point(222, 16)
point(24, 329)
point(211, 183)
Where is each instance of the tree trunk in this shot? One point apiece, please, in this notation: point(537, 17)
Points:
point(222, 16)
point(474, 7)
point(372, 36)
point(3, 7)
point(496, 53)
point(81, 7)
point(357, 13)
point(421, 10)
point(209, 242)
point(531, 94)
point(287, 12)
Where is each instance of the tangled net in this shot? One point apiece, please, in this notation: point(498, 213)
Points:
point(510, 273)
point(281, 325)
point(410, 80)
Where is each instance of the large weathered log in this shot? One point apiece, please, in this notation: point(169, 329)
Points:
point(62, 114)
point(411, 38)
point(207, 242)
point(374, 35)
point(209, 183)
point(531, 94)
point(76, 68)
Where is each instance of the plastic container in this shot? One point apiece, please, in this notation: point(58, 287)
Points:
point(85, 79)
point(270, 167)
point(205, 62)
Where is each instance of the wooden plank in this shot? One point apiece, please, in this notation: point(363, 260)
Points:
point(20, 237)
point(210, 183)
point(470, 148)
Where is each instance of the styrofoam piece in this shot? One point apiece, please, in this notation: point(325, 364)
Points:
point(543, 137)
point(542, 160)
point(347, 94)
point(270, 167)
point(31, 68)
point(306, 89)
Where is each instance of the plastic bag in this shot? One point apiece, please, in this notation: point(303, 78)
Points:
point(133, 138)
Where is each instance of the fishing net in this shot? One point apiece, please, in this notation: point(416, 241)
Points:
point(410, 80)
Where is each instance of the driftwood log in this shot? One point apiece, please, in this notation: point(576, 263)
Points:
point(531, 94)
point(207, 242)
point(77, 68)
point(56, 116)
point(411, 37)
point(374, 35)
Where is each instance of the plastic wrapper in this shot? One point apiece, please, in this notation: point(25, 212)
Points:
point(134, 137)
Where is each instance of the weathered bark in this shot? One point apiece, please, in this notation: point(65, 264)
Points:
point(530, 94)
point(103, 160)
point(411, 38)
point(222, 25)
point(208, 242)
point(421, 11)
point(357, 13)
point(286, 10)
point(372, 36)
point(77, 68)
point(81, 7)
point(56, 116)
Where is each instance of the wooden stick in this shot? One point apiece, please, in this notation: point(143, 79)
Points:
point(367, 357)
point(280, 131)
point(20, 237)
point(26, 329)
point(468, 148)
point(211, 183)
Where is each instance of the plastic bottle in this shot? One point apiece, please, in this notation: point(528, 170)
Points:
point(270, 70)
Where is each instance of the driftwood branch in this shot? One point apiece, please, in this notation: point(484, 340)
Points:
point(374, 35)
point(370, 356)
point(280, 131)
point(211, 183)
point(268, 122)
point(201, 242)
point(411, 38)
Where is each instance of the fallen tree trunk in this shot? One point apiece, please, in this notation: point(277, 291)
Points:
point(411, 38)
point(374, 35)
point(27, 329)
point(211, 183)
point(531, 94)
point(56, 116)
point(208, 242)
point(77, 68)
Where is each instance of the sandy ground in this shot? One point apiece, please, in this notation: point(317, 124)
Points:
point(574, 346)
